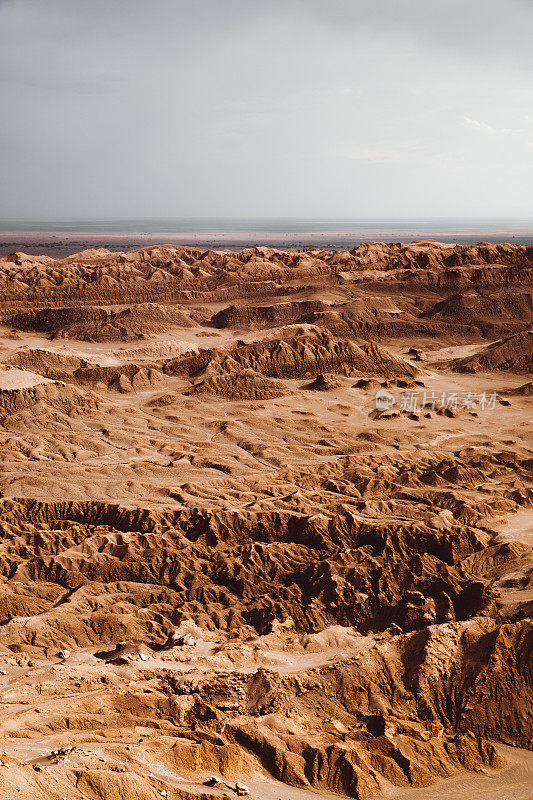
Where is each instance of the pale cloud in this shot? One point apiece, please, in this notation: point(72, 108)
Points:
point(484, 127)
point(480, 126)
point(372, 155)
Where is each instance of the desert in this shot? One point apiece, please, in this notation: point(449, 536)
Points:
point(266, 523)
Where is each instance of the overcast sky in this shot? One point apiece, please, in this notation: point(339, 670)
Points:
point(322, 108)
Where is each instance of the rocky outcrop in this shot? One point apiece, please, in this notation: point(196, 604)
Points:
point(297, 356)
point(514, 354)
point(98, 325)
point(170, 273)
point(246, 316)
point(243, 384)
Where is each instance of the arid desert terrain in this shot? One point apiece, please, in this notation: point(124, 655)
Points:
point(267, 523)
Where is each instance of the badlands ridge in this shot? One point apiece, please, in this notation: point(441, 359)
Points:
point(266, 523)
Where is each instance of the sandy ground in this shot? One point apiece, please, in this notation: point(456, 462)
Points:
point(518, 528)
point(512, 783)
point(19, 379)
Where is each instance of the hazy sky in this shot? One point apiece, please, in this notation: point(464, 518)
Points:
point(323, 108)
